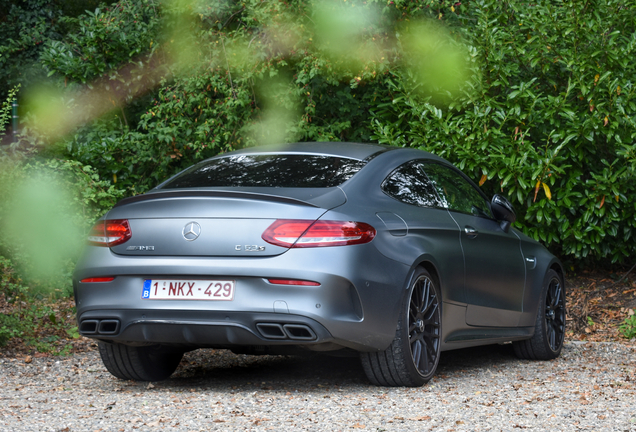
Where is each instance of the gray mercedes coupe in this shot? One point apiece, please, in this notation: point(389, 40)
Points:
point(388, 253)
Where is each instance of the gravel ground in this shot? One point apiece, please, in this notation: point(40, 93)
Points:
point(592, 386)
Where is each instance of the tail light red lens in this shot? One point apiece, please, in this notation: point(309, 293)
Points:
point(303, 233)
point(110, 233)
point(98, 279)
point(293, 282)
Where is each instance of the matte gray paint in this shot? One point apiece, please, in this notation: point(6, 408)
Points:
point(362, 287)
point(499, 290)
point(394, 223)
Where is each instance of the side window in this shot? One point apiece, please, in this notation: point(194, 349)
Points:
point(409, 185)
point(455, 192)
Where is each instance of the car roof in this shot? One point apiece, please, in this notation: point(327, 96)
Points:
point(351, 150)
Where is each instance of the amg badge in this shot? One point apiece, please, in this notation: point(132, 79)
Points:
point(140, 248)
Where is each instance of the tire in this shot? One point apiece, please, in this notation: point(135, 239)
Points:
point(139, 363)
point(412, 357)
point(549, 328)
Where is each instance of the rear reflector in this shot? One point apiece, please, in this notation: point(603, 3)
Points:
point(110, 233)
point(98, 279)
point(292, 282)
point(303, 233)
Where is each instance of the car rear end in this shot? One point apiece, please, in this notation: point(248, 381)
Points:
point(206, 262)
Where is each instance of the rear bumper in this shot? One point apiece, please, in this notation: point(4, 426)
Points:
point(356, 305)
point(202, 329)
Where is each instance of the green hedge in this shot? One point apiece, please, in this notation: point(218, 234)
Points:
point(546, 116)
point(548, 119)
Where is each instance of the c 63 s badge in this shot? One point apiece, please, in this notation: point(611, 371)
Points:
point(249, 248)
point(140, 248)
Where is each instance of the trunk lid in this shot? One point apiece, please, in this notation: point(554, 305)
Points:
point(215, 223)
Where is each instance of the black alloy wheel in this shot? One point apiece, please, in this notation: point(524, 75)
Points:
point(424, 326)
point(549, 331)
point(555, 314)
point(412, 357)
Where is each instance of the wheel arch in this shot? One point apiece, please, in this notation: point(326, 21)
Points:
point(427, 263)
point(535, 280)
point(400, 364)
point(558, 267)
point(432, 270)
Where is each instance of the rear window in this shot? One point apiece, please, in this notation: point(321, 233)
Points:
point(279, 170)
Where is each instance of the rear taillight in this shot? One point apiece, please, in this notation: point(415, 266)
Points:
point(110, 233)
point(98, 279)
point(292, 282)
point(303, 233)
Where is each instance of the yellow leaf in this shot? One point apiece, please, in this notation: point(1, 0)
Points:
point(616, 196)
point(536, 190)
point(114, 178)
point(483, 180)
point(547, 191)
point(452, 9)
point(606, 121)
point(596, 77)
point(618, 90)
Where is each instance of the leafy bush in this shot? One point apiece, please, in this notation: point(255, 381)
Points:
point(9, 328)
point(237, 101)
point(10, 283)
point(5, 110)
point(59, 227)
point(58, 200)
point(25, 26)
point(547, 119)
point(193, 118)
point(628, 328)
point(100, 41)
point(12, 291)
point(39, 324)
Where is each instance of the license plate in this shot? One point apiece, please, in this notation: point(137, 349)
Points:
point(174, 289)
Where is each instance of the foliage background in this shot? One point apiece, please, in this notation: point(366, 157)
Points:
point(533, 100)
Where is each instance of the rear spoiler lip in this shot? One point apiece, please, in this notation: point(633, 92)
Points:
point(217, 193)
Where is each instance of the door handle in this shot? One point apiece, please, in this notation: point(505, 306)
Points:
point(470, 231)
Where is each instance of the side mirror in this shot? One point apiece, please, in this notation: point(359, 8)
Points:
point(503, 211)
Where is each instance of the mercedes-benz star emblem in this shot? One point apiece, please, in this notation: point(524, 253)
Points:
point(191, 231)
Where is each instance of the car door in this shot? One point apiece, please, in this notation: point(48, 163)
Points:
point(430, 228)
point(494, 266)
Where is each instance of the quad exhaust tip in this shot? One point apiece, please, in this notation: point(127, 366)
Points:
point(101, 327)
point(286, 331)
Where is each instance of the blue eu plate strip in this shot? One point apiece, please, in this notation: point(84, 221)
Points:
point(146, 292)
